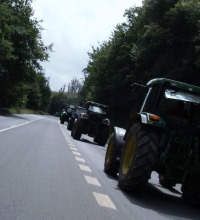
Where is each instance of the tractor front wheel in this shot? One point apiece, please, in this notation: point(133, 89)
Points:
point(77, 130)
point(111, 164)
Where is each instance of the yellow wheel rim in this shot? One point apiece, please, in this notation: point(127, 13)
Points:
point(109, 150)
point(128, 155)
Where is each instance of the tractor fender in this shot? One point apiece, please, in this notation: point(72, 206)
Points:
point(119, 142)
point(147, 118)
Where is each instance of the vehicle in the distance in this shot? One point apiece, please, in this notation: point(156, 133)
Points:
point(74, 116)
point(66, 113)
point(93, 122)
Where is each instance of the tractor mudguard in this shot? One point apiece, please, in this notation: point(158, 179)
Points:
point(119, 142)
point(145, 118)
point(114, 151)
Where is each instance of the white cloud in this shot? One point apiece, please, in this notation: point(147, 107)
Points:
point(73, 26)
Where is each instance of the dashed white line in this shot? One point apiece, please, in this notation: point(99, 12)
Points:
point(74, 148)
point(85, 168)
point(80, 159)
point(76, 153)
point(92, 180)
point(104, 200)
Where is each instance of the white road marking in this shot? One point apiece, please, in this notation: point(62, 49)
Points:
point(85, 168)
point(74, 148)
point(92, 180)
point(63, 131)
point(15, 126)
point(80, 159)
point(104, 200)
point(76, 153)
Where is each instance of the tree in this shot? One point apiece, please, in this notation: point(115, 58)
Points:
point(74, 86)
point(61, 99)
point(159, 39)
point(21, 49)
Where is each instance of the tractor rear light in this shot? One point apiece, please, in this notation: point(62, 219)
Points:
point(106, 121)
point(154, 118)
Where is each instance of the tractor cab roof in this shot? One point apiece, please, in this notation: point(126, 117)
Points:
point(174, 84)
point(96, 104)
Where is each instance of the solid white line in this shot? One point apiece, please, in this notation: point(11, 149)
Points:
point(10, 126)
point(19, 125)
point(104, 200)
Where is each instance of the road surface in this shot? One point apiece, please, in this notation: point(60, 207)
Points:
point(47, 175)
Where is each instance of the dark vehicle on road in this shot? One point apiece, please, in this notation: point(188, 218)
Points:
point(93, 122)
point(164, 136)
point(74, 116)
point(66, 113)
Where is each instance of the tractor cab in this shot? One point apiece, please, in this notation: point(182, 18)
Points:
point(171, 102)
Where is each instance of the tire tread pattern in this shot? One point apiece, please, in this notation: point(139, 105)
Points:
point(144, 159)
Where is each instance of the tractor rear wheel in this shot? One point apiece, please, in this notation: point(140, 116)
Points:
point(61, 120)
point(138, 157)
point(191, 190)
point(104, 132)
point(70, 124)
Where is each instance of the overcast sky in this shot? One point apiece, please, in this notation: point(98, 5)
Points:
point(74, 26)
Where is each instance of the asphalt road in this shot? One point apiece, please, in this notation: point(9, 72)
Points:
point(47, 175)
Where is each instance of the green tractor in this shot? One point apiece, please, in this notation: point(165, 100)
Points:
point(66, 114)
point(163, 137)
point(93, 122)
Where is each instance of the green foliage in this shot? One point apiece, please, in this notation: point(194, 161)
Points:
point(167, 36)
point(74, 86)
point(159, 39)
point(21, 51)
point(61, 99)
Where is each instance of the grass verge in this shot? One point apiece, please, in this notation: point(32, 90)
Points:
point(11, 111)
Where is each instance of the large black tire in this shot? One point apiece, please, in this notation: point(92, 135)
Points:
point(111, 164)
point(104, 132)
point(191, 190)
point(77, 131)
point(67, 117)
point(62, 121)
point(70, 124)
point(138, 157)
